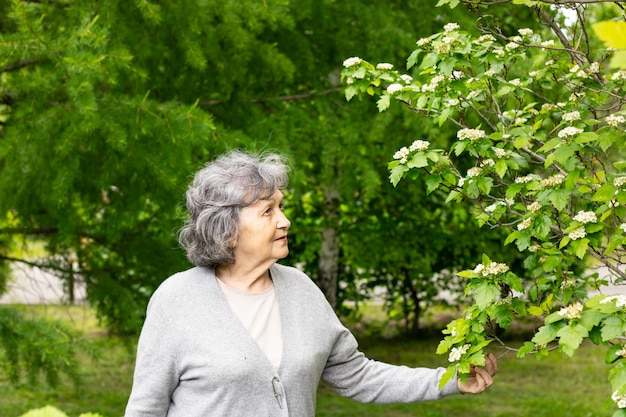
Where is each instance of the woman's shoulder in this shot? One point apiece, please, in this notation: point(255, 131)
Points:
point(293, 278)
point(184, 283)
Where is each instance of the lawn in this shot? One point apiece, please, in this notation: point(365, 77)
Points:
point(553, 386)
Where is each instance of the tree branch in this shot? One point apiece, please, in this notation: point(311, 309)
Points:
point(282, 98)
point(23, 63)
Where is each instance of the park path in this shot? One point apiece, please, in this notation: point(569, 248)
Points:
point(30, 285)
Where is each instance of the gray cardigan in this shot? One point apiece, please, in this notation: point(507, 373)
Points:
point(195, 359)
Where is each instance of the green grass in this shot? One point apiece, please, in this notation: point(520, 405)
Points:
point(553, 386)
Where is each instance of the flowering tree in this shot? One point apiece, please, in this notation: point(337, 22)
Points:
point(540, 153)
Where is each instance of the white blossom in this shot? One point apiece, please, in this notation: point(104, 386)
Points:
point(443, 48)
point(572, 116)
point(453, 102)
point(527, 178)
point(623, 227)
point(525, 32)
point(577, 234)
point(422, 42)
point(595, 67)
point(549, 42)
point(619, 181)
point(553, 180)
point(614, 120)
point(434, 82)
point(451, 27)
point(618, 299)
point(352, 61)
point(620, 400)
point(516, 82)
point(586, 217)
point(461, 182)
point(457, 352)
point(494, 268)
point(402, 154)
point(619, 75)
point(394, 88)
point(406, 78)
point(492, 207)
point(471, 134)
point(474, 172)
point(512, 45)
point(500, 153)
point(487, 162)
point(419, 145)
point(534, 207)
point(572, 311)
point(384, 66)
point(525, 224)
point(569, 131)
point(548, 107)
point(485, 38)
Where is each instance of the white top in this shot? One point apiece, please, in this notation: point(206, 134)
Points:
point(258, 312)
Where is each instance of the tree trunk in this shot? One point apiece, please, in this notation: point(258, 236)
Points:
point(329, 250)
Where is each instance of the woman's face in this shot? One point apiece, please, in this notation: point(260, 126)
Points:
point(263, 231)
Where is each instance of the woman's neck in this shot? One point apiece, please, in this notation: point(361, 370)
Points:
point(244, 279)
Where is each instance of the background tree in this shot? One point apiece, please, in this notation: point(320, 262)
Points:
point(108, 108)
point(541, 116)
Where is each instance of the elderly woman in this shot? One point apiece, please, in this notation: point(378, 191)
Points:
point(241, 335)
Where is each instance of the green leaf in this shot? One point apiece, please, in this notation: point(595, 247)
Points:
point(570, 338)
point(611, 354)
point(429, 61)
point(605, 193)
point(397, 173)
point(580, 247)
point(590, 318)
point(412, 59)
point(525, 349)
point(553, 318)
point(447, 376)
point(535, 311)
point(485, 294)
point(453, 196)
point(501, 167)
point(383, 102)
point(432, 183)
point(617, 376)
point(418, 160)
point(586, 137)
point(545, 334)
point(559, 199)
point(613, 327)
point(350, 92)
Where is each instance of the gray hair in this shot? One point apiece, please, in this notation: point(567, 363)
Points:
point(215, 198)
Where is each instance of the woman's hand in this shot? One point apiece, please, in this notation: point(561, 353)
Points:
point(479, 379)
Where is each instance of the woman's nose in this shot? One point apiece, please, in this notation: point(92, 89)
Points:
point(283, 222)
